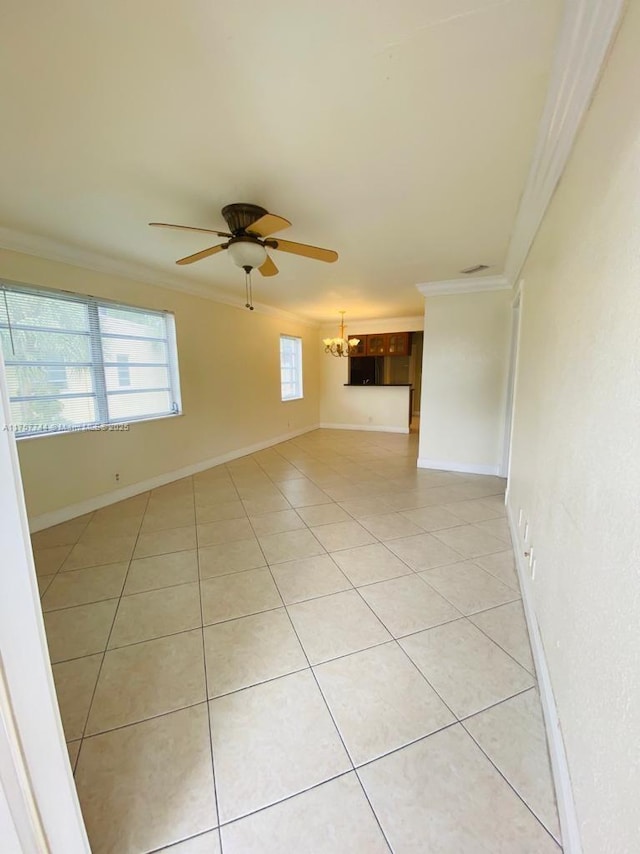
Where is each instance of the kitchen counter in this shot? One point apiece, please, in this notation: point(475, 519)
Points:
point(379, 385)
point(352, 406)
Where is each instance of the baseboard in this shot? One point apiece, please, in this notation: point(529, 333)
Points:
point(375, 428)
point(559, 767)
point(71, 511)
point(466, 468)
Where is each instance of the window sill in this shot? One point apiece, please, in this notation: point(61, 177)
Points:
point(115, 427)
point(289, 399)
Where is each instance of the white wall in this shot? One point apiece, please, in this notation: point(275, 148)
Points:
point(230, 381)
point(383, 408)
point(464, 378)
point(367, 408)
point(576, 452)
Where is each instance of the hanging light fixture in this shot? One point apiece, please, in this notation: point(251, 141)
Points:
point(247, 252)
point(341, 346)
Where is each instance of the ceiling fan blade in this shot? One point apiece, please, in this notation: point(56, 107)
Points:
point(304, 249)
point(268, 268)
point(203, 254)
point(268, 224)
point(190, 228)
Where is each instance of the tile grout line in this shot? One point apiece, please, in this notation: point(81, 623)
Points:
point(337, 729)
point(419, 573)
point(458, 719)
point(106, 647)
point(285, 799)
point(506, 651)
point(339, 734)
point(432, 587)
point(506, 779)
point(73, 764)
point(59, 569)
point(300, 670)
point(206, 690)
point(423, 675)
point(411, 573)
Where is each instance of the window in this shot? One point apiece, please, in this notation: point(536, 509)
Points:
point(290, 367)
point(74, 361)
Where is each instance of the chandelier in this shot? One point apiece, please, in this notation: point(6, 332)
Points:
point(341, 346)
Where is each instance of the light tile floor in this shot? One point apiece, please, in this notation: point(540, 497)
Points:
point(318, 648)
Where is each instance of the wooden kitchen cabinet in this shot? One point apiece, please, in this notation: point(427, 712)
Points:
point(377, 345)
point(397, 344)
point(382, 344)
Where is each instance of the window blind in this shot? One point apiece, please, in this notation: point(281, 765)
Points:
point(290, 367)
point(75, 361)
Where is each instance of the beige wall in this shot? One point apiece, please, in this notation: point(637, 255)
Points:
point(230, 381)
point(464, 380)
point(381, 408)
point(576, 452)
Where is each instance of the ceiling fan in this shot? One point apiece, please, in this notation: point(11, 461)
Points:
point(249, 237)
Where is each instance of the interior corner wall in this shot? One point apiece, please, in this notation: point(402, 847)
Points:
point(229, 362)
point(464, 381)
point(575, 470)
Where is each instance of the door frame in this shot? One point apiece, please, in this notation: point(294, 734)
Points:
point(39, 796)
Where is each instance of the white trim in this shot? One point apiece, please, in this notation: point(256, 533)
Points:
point(71, 511)
point(464, 286)
point(365, 325)
point(514, 352)
point(466, 468)
point(587, 31)
point(373, 428)
point(13, 842)
point(43, 247)
point(35, 774)
point(586, 34)
point(14, 779)
point(569, 827)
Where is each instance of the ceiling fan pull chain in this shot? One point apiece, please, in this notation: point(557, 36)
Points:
point(248, 290)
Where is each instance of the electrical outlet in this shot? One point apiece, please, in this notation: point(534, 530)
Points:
point(370, 419)
point(117, 477)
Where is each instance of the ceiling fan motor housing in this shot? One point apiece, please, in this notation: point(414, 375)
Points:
point(240, 215)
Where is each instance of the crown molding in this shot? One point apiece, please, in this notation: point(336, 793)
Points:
point(586, 33)
point(464, 286)
point(415, 323)
point(53, 250)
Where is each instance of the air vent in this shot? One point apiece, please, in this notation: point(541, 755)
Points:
point(476, 269)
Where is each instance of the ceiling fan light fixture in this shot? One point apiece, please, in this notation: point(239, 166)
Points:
point(247, 252)
point(342, 346)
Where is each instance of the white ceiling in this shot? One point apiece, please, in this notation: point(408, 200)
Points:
point(398, 132)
